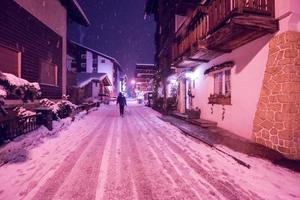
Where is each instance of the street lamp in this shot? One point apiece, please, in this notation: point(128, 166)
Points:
point(132, 82)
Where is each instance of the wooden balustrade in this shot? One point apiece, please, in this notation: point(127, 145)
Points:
point(216, 14)
point(12, 128)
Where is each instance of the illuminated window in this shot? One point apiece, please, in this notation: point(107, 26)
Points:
point(48, 73)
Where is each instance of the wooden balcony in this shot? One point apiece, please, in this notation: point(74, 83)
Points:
point(221, 27)
point(184, 6)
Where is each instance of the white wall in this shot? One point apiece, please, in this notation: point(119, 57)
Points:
point(246, 82)
point(95, 90)
point(246, 77)
point(89, 62)
point(106, 67)
point(53, 15)
point(288, 12)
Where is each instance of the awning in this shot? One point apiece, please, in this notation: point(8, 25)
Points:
point(224, 65)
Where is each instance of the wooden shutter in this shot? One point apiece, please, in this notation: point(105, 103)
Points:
point(10, 61)
point(48, 73)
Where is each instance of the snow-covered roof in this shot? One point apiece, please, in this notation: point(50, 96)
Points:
point(144, 64)
point(85, 78)
point(75, 12)
point(99, 53)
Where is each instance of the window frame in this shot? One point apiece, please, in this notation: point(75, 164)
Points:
point(19, 60)
point(221, 97)
point(55, 74)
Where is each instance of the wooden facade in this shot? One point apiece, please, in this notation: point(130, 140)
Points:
point(210, 28)
point(144, 73)
point(35, 43)
point(220, 27)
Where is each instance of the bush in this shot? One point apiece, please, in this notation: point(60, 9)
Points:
point(60, 109)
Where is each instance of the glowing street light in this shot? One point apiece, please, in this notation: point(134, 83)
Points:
point(132, 82)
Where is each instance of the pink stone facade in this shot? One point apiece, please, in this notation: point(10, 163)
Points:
point(277, 119)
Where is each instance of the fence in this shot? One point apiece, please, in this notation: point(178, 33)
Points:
point(12, 128)
point(17, 126)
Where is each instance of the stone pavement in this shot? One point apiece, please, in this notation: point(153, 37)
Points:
point(213, 136)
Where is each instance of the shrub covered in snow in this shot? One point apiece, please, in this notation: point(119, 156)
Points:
point(21, 88)
point(22, 112)
point(60, 109)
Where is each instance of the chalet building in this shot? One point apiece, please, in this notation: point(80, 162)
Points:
point(82, 59)
point(237, 61)
point(144, 73)
point(85, 87)
point(33, 41)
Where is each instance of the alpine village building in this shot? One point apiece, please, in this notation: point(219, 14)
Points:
point(91, 74)
point(33, 41)
point(238, 61)
point(144, 74)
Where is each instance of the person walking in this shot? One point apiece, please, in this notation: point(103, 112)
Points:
point(121, 100)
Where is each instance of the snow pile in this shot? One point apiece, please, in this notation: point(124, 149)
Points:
point(22, 112)
point(10, 84)
point(3, 92)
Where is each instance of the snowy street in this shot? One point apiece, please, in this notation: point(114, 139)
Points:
point(104, 156)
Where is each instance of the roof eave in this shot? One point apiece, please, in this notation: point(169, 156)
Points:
point(75, 12)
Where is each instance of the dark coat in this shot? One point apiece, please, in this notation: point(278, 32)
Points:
point(121, 100)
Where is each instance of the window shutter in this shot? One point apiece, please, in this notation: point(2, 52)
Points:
point(10, 61)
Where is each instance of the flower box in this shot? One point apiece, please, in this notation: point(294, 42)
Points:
point(219, 99)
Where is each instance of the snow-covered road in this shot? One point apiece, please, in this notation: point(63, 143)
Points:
point(104, 156)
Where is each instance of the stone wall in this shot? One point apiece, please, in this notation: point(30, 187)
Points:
point(277, 119)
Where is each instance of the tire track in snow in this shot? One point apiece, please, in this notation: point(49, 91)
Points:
point(52, 185)
point(119, 185)
point(185, 176)
point(162, 183)
point(225, 188)
point(48, 169)
point(82, 181)
point(141, 178)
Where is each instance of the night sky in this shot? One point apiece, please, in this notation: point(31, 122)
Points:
point(117, 29)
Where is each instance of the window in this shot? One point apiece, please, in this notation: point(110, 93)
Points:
point(222, 88)
point(48, 73)
point(95, 69)
point(218, 83)
point(83, 56)
point(83, 65)
point(103, 61)
point(227, 83)
point(10, 61)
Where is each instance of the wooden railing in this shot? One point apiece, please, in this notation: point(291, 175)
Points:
point(216, 14)
point(12, 128)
